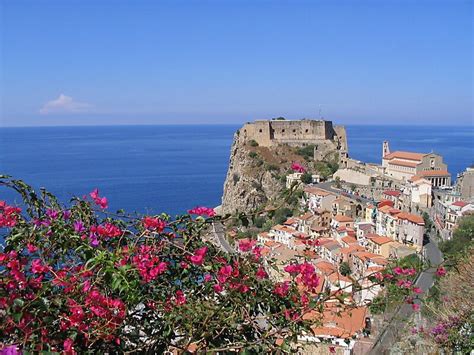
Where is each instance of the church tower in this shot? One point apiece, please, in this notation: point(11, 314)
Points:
point(385, 149)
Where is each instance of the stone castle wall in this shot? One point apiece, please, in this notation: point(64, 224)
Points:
point(268, 133)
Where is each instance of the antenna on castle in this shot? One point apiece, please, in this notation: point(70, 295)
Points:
point(320, 116)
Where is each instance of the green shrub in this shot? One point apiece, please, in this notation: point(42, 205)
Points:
point(253, 155)
point(306, 178)
point(253, 143)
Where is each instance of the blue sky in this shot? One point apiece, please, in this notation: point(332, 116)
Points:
point(153, 62)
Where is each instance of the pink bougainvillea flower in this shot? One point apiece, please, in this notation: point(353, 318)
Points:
point(218, 288)
point(10, 350)
point(417, 290)
point(261, 273)
point(224, 273)
point(31, 248)
point(440, 271)
point(8, 215)
point(293, 269)
point(78, 227)
point(198, 257)
point(246, 245)
point(202, 211)
point(154, 224)
point(281, 288)
point(298, 167)
point(94, 194)
point(207, 277)
point(415, 306)
point(180, 298)
point(99, 201)
point(398, 270)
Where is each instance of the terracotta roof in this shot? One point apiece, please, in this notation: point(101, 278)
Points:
point(393, 193)
point(290, 221)
point(385, 203)
point(333, 245)
point(286, 229)
point(365, 255)
point(379, 239)
point(460, 203)
point(306, 216)
point(433, 173)
point(403, 163)
point(337, 321)
point(265, 235)
point(349, 240)
point(405, 155)
point(335, 277)
point(414, 218)
point(317, 191)
point(342, 218)
point(352, 248)
point(325, 267)
point(271, 244)
point(389, 210)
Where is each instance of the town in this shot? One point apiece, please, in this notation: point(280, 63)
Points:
point(359, 220)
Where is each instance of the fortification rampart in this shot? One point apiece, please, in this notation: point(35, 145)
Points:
point(298, 132)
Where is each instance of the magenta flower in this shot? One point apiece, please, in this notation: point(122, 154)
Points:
point(203, 211)
point(78, 227)
point(441, 271)
point(10, 350)
point(298, 168)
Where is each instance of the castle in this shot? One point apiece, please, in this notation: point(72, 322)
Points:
point(320, 133)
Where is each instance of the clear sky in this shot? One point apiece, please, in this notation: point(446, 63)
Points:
point(66, 62)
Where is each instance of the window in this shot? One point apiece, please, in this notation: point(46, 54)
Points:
point(306, 131)
point(260, 130)
point(282, 131)
point(294, 130)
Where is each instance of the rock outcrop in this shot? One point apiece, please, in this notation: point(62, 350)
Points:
point(262, 153)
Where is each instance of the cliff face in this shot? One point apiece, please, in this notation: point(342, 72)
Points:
point(248, 183)
point(259, 163)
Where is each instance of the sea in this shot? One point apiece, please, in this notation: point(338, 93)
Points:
point(172, 168)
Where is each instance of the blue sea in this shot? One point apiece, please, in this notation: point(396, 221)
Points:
point(151, 169)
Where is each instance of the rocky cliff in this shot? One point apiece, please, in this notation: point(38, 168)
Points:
point(259, 163)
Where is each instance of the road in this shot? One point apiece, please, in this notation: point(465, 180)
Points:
point(328, 187)
point(425, 280)
point(219, 233)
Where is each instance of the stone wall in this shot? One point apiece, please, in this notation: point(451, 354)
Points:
point(298, 132)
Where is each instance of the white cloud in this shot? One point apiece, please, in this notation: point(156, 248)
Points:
point(64, 104)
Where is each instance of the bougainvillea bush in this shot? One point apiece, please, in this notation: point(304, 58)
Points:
point(78, 279)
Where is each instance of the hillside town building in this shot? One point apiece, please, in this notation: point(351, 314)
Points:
point(413, 166)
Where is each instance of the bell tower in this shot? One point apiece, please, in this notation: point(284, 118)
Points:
point(385, 149)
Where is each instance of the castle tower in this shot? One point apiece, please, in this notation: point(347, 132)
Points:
point(385, 149)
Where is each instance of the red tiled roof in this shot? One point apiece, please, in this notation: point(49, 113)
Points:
point(385, 203)
point(342, 218)
point(317, 191)
point(349, 240)
point(460, 203)
point(393, 193)
point(290, 221)
point(337, 321)
point(414, 218)
point(405, 155)
point(403, 163)
point(430, 173)
point(379, 239)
